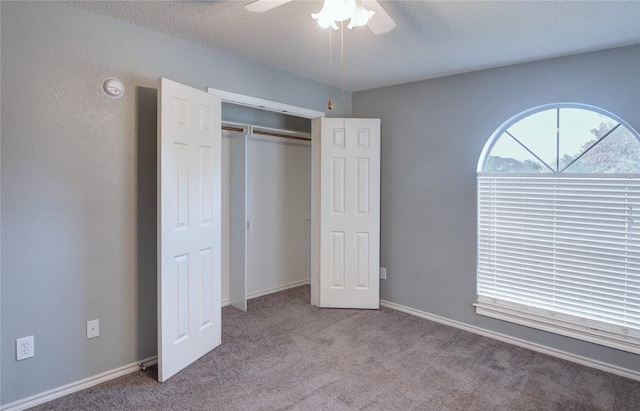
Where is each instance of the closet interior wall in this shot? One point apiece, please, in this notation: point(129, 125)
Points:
point(267, 171)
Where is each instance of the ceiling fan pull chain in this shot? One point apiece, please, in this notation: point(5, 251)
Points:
point(330, 105)
point(344, 103)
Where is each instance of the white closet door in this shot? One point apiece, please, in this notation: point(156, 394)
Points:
point(346, 213)
point(238, 224)
point(189, 226)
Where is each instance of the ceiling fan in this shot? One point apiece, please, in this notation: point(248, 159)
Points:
point(379, 21)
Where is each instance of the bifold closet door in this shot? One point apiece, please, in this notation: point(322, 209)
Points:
point(238, 223)
point(346, 220)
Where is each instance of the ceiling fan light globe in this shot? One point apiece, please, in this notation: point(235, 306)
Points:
point(360, 17)
point(324, 20)
point(342, 9)
point(333, 11)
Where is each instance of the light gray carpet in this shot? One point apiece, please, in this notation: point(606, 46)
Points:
point(288, 355)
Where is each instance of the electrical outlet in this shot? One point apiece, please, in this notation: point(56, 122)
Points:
point(24, 348)
point(383, 273)
point(93, 328)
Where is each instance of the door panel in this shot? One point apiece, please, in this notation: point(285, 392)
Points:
point(347, 191)
point(189, 226)
point(238, 221)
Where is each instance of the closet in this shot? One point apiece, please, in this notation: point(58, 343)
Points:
point(238, 207)
point(266, 202)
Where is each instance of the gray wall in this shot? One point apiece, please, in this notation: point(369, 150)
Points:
point(432, 135)
point(78, 183)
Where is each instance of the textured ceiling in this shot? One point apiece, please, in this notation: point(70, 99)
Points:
point(432, 38)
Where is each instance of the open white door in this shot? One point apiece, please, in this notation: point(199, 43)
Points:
point(346, 207)
point(238, 221)
point(189, 226)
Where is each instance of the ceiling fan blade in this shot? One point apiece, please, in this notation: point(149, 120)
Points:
point(260, 6)
point(381, 22)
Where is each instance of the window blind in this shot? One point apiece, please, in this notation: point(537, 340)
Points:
point(562, 251)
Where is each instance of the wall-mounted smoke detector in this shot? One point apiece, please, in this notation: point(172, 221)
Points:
point(112, 87)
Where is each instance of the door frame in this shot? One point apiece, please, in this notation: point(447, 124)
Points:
point(255, 102)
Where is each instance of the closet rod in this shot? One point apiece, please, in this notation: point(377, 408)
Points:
point(231, 128)
point(272, 134)
point(263, 131)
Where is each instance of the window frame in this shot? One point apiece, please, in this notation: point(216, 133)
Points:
point(547, 319)
point(484, 155)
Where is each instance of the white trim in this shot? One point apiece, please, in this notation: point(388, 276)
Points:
point(268, 291)
point(277, 289)
point(613, 369)
point(234, 98)
point(240, 99)
point(77, 386)
point(624, 341)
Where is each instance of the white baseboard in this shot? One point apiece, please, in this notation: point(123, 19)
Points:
point(127, 369)
point(118, 372)
point(613, 369)
point(277, 289)
point(77, 386)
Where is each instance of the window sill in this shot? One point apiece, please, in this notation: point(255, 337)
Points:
point(489, 308)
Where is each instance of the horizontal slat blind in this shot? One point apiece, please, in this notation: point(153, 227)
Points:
point(565, 247)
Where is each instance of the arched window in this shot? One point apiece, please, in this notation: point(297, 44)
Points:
point(559, 224)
